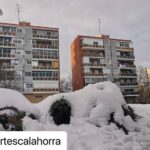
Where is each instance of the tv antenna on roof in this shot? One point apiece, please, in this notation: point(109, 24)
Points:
point(99, 22)
point(18, 11)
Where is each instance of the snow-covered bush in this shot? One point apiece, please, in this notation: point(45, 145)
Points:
point(97, 103)
point(61, 111)
point(13, 108)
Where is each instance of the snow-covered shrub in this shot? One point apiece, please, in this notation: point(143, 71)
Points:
point(11, 118)
point(13, 108)
point(97, 103)
point(129, 111)
point(61, 111)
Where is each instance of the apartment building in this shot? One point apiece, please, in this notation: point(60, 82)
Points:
point(101, 58)
point(33, 53)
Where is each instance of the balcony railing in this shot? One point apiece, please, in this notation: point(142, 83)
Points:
point(94, 74)
point(45, 78)
point(7, 44)
point(8, 33)
point(8, 67)
point(125, 48)
point(127, 66)
point(46, 90)
point(127, 74)
point(7, 55)
point(44, 36)
point(126, 57)
point(92, 46)
point(128, 84)
point(45, 57)
point(130, 93)
point(93, 54)
point(45, 46)
point(46, 67)
point(94, 64)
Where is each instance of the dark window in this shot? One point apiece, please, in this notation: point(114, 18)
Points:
point(95, 43)
point(28, 74)
point(28, 85)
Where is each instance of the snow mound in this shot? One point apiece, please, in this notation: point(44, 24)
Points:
point(95, 102)
point(13, 98)
point(91, 111)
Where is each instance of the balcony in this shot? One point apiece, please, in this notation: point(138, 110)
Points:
point(45, 78)
point(122, 57)
point(94, 74)
point(94, 65)
point(7, 45)
point(46, 90)
point(129, 84)
point(8, 33)
point(4, 55)
point(7, 67)
point(127, 66)
point(90, 46)
point(45, 68)
point(44, 36)
point(125, 48)
point(46, 46)
point(128, 75)
point(130, 93)
point(45, 57)
point(93, 54)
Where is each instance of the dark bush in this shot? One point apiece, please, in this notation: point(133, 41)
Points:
point(13, 121)
point(129, 111)
point(61, 111)
point(120, 126)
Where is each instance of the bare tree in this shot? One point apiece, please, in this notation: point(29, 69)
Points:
point(66, 84)
point(144, 85)
point(8, 77)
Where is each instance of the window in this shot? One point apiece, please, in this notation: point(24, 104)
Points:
point(28, 74)
point(18, 41)
point(127, 45)
point(34, 42)
point(87, 70)
point(13, 29)
point(95, 43)
point(16, 61)
point(6, 29)
point(102, 61)
point(124, 44)
point(18, 52)
point(1, 30)
point(28, 62)
point(28, 85)
point(19, 30)
point(85, 59)
point(55, 74)
point(28, 52)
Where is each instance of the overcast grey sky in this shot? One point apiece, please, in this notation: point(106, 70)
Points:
point(126, 19)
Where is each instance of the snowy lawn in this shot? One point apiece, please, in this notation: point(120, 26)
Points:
point(90, 112)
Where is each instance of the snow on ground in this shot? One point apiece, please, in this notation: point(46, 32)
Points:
point(13, 98)
point(91, 107)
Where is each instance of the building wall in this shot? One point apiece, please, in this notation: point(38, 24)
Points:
point(24, 41)
point(76, 61)
point(116, 52)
